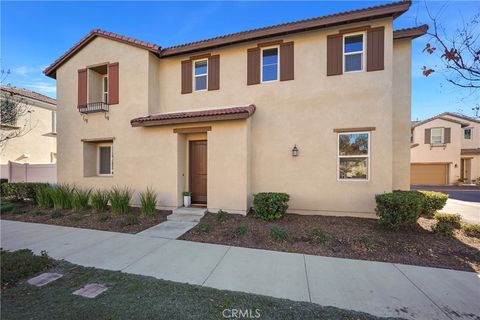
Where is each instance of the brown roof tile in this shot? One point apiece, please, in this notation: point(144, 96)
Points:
point(232, 113)
point(28, 94)
point(412, 33)
point(442, 117)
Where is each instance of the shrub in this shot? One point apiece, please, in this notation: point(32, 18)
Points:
point(2, 182)
point(80, 198)
point(270, 205)
point(399, 208)
point(120, 199)
point(186, 193)
point(99, 201)
point(20, 191)
point(280, 234)
point(443, 228)
point(7, 207)
point(56, 214)
point(451, 219)
point(365, 241)
point(21, 264)
point(240, 230)
point(432, 202)
point(129, 220)
point(472, 230)
point(102, 217)
point(148, 201)
point(17, 210)
point(204, 227)
point(62, 196)
point(221, 215)
point(318, 236)
point(44, 196)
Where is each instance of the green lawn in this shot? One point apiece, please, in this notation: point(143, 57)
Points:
point(140, 297)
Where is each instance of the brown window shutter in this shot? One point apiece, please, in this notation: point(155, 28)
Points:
point(82, 87)
point(334, 54)
point(447, 135)
point(186, 76)
point(286, 61)
point(214, 72)
point(427, 136)
point(253, 66)
point(113, 87)
point(375, 48)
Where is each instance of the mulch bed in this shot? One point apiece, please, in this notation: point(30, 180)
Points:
point(345, 237)
point(88, 220)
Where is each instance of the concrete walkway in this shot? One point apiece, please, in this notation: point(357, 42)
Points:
point(381, 289)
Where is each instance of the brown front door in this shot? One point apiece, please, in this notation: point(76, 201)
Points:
point(198, 171)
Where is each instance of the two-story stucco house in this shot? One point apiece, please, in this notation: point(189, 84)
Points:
point(445, 149)
point(37, 123)
point(318, 108)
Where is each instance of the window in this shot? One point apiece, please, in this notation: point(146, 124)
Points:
point(269, 64)
point(54, 122)
point(105, 160)
point(437, 136)
point(105, 89)
point(200, 75)
point(353, 156)
point(467, 133)
point(353, 52)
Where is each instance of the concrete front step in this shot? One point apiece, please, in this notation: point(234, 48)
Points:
point(187, 214)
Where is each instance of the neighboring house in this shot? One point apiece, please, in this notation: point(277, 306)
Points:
point(37, 144)
point(317, 108)
point(444, 149)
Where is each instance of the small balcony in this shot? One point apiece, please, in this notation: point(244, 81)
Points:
point(93, 107)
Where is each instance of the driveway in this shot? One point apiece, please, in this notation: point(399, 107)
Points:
point(378, 288)
point(463, 193)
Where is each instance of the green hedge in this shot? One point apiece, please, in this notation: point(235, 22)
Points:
point(20, 191)
point(270, 205)
point(399, 208)
point(432, 202)
point(451, 219)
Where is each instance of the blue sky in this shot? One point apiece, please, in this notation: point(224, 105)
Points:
point(34, 34)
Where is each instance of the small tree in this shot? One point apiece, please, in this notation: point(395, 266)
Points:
point(459, 53)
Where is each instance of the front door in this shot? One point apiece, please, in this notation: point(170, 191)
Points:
point(198, 171)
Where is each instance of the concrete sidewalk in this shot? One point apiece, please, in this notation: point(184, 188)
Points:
point(381, 289)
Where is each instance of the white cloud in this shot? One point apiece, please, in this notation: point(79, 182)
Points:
point(25, 70)
point(42, 87)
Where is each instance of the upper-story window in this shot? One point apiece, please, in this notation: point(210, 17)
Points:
point(98, 84)
point(270, 64)
point(437, 136)
point(353, 156)
point(353, 52)
point(105, 89)
point(467, 133)
point(200, 74)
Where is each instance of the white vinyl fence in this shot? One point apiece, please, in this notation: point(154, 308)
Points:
point(26, 172)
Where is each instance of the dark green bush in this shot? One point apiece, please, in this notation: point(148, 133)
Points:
point(472, 230)
point(432, 202)
point(280, 234)
point(129, 220)
point(56, 214)
point(451, 219)
point(62, 196)
point(204, 227)
point(2, 182)
point(398, 208)
point(120, 199)
point(7, 207)
point(443, 228)
point(44, 196)
point(221, 215)
point(102, 217)
point(270, 206)
point(80, 198)
point(148, 201)
point(318, 236)
point(21, 264)
point(21, 191)
point(99, 201)
point(240, 230)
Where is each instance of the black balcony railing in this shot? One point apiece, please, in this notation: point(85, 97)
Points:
point(93, 107)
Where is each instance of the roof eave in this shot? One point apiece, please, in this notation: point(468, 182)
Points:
point(410, 33)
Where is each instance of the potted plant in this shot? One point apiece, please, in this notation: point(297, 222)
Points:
point(460, 181)
point(187, 199)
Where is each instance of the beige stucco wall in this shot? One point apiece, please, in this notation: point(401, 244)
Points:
point(38, 143)
point(245, 157)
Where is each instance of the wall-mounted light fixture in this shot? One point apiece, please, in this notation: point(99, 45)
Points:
point(456, 165)
point(295, 151)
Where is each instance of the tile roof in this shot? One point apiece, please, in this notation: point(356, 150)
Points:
point(442, 116)
point(393, 9)
point(28, 94)
point(412, 33)
point(232, 113)
point(50, 70)
point(459, 115)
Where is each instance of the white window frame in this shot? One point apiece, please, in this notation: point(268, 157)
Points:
point(471, 133)
point(278, 64)
point(105, 89)
point(111, 159)
point(199, 75)
point(54, 121)
point(367, 156)
point(364, 36)
point(442, 139)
